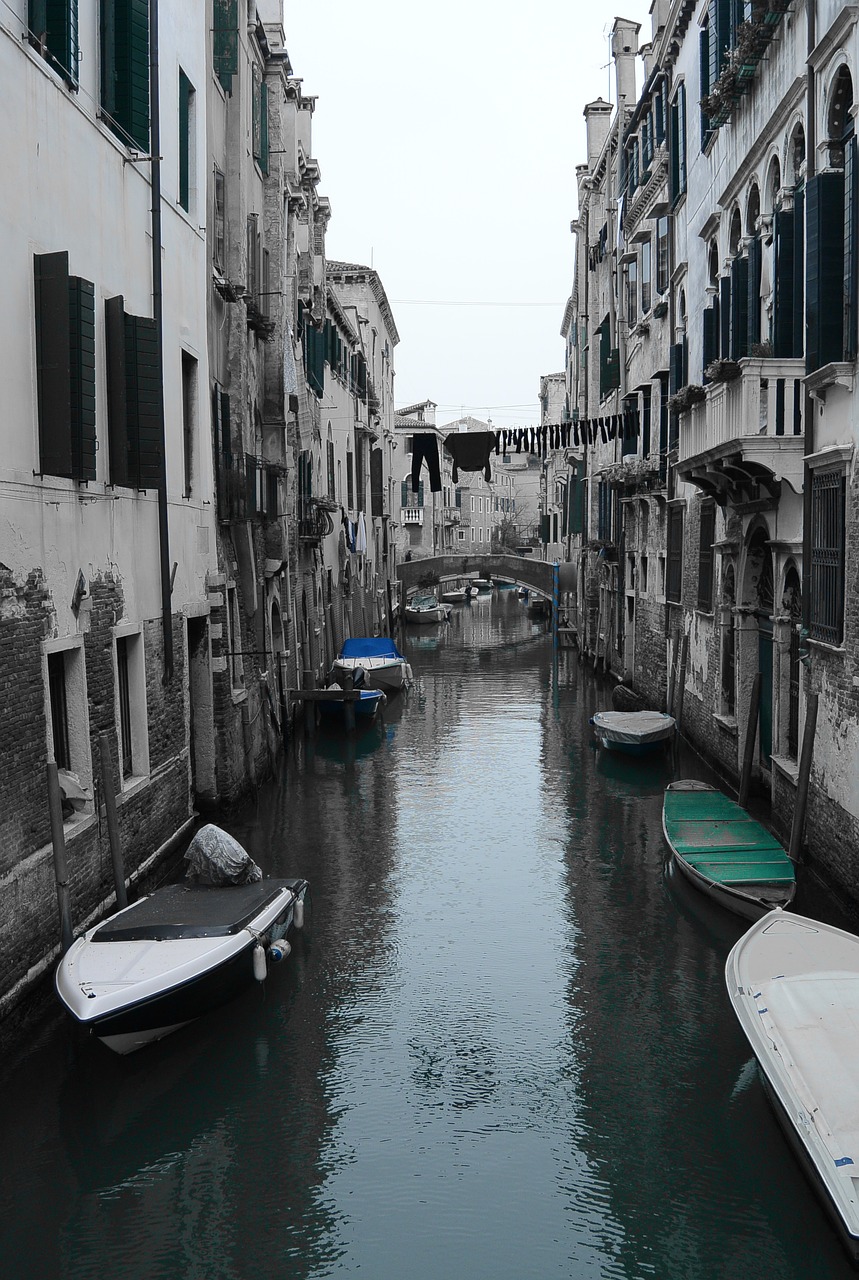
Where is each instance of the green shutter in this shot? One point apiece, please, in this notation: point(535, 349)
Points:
point(53, 362)
point(225, 41)
point(705, 46)
point(725, 317)
point(850, 248)
point(783, 283)
point(82, 377)
point(754, 292)
point(377, 486)
point(125, 70)
point(53, 26)
point(117, 417)
point(824, 269)
point(143, 399)
point(710, 318)
point(799, 273)
point(263, 127)
point(185, 91)
point(739, 308)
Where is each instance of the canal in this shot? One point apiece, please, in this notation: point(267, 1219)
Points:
point(502, 1051)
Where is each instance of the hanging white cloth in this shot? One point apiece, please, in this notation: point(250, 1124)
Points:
point(361, 535)
point(290, 374)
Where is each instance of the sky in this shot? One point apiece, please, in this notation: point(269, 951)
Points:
point(447, 136)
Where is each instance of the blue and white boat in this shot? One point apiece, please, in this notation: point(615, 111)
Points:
point(366, 704)
point(383, 665)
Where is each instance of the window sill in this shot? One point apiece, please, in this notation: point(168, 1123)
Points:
point(132, 785)
point(705, 613)
point(238, 696)
point(728, 724)
point(837, 650)
point(786, 767)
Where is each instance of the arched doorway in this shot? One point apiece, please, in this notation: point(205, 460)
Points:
point(758, 593)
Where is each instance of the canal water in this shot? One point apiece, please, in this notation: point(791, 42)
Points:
point(503, 1049)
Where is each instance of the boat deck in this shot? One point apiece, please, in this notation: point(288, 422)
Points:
point(192, 911)
point(718, 839)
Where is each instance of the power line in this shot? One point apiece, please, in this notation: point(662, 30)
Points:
point(451, 302)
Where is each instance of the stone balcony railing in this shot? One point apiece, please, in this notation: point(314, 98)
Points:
point(755, 422)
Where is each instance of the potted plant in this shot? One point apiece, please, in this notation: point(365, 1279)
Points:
point(686, 397)
point(723, 370)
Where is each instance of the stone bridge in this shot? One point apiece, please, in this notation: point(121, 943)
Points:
point(524, 571)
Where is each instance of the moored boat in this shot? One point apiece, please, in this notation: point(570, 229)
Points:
point(184, 950)
point(793, 983)
point(724, 851)
point(633, 732)
point(426, 607)
point(458, 595)
point(380, 660)
point(365, 705)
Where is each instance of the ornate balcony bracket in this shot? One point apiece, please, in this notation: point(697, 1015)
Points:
point(746, 470)
point(836, 374)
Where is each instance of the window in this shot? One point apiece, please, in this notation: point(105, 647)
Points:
point(189, 416)
point(826, 619)
point(125, 70)
point(632, 291)
point(332, 492)
point(646, 253)
point(131, 704)
point(220, 195)
point(350, 480)
point(677, 146)
point(253, 259)
point(65, 368)
point(234, 640)
point(225, 41)
point(661, 255)
point(53, 30)
point(186, 139)
point(674, 582)
point(59, 709)
point(707, 534)
point(66, 708)
point(133, 398)
point(260, 120)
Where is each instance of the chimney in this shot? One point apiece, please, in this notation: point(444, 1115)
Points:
point(659, 16)
point(624, 49)
point(597, 122)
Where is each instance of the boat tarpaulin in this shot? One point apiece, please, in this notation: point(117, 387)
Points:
point(216, 858)
point(370, 647)
point(633, 726)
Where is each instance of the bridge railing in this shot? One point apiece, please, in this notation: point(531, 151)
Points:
point(523, 570)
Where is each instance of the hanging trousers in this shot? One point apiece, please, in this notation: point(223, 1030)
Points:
point(425, 447)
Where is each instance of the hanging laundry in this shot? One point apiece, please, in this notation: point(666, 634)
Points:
point(425, 448)
point(361, 535)
point(470, 451)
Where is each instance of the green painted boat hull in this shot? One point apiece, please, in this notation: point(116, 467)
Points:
point(725, 852)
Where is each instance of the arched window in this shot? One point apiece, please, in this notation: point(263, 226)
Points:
point(736, 233)
point(753, 210)
point(773, 185)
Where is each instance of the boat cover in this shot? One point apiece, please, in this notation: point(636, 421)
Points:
point(633, 726)
point(215, 858)
point(370, 647)
point(193, 911)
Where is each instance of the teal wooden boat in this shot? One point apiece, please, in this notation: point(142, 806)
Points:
point(724, 852)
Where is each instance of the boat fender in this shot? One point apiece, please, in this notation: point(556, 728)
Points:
point(260, 966)
point(298, 913)
point(279, 950)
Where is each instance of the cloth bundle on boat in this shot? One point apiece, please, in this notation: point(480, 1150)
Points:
point(216, 858)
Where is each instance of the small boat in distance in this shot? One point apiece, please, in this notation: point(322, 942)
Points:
point(633, 732)
point(458, 595)
point(383, 665)
point(724, 851)
point(482, 584)
point(184, 950)
point(366, 705)
point(426, 607)
point(793, 983)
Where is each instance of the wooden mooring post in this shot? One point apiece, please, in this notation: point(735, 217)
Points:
point(61, 870)
point(112, 821)
point(751, 736)
point(801, 802)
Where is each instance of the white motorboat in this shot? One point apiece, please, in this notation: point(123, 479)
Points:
point(383, 665)
point(793, 983)
point(427, 607)
point(459, 595)
point(182, 951)
point(633, 732)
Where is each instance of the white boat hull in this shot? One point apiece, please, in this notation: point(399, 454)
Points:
point(380, 673)
point(793, 983)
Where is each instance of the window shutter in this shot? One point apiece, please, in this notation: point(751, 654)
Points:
point(57, 22)
point(82, 377)
point(725, 317)
point(674, 155)
point(226, 41)
point(710, 344)
point(824, 269)
point(645, 425)
point(251, 470)
point(705, 46)
point(263, 126)
point(675, 367)
point(377, 485)
point(184, 138)
point(783, 283)
point(117, 418)
point(850, 248)
point(799, 273)
point(705, 555)
point(681, 137)
point(739, 308)
point(674, 582)
point(125, 70)
point(332, 487)
point(404, 494)
point(754, 293)
point(143, 395)
point(53, 362)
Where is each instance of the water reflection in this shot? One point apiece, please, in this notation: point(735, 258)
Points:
point(503, 1050)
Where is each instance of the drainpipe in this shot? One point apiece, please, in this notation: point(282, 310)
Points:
point(157, 315)
point(810, 153)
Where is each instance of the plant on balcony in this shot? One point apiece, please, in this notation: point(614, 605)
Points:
point(752, 38)
point(762, 350)
point(723, 370)
point(686, 397)
point(660, 310)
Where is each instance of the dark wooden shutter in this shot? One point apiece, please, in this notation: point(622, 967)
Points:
point(674, 154)
point(799, 273)
point(824, 269)
point(706, 78)
point(53, 362)
point(143, 394)
point(739, 308)
point(710, 344)
point(263, 127)
point(226, 41)
point(851, 216)
point(82, 377)
point(125, 69)
point(725, 317)
point(681, 137)
point(675, 367)
point(185, 90)
point(754, 293)
point(705, 555)
point(57, 20)
point(674, 576)
point(405, 490)
point(645, 421)
point(783, 283)
point(377, 488)
point(117, 418)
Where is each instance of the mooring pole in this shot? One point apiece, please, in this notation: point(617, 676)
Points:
point(681, 679)
point(348, 705)
point(112, 822)
point(801, 803)
point(751, 735)
point(556, 604)
point(61, 871)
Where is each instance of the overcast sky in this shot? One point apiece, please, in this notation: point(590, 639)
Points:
point(448, 136)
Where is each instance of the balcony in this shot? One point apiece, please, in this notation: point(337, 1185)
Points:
point(452, 515)
point(413, 515)
point(748, 435)
point(314, 521)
